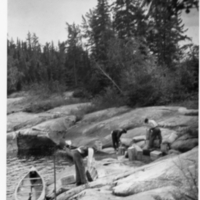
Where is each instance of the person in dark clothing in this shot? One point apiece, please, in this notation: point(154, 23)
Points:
point(153, 133)
point(116, 134)
point(78, 155)
point(33, 175)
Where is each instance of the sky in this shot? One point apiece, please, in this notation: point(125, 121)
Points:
point(47, 18)
point(191, 22)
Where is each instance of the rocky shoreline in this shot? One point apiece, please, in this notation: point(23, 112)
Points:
point(118, 177)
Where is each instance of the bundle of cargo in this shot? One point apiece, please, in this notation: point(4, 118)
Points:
point(122, 150)
point(135, 152)
point(155, 154)
point(98, 145)
point(68, 180)
point(92, 174)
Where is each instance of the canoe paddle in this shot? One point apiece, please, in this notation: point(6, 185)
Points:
point(55, 175)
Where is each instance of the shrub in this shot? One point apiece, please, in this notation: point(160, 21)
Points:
point(83, 111)
point(110, 97)
point(43, 105)
point(44, 90)
point(143, 92)
point(181, 82)
point(81, 93)
point(190, 131)
point(37, 104)
point(14, 76)
point(132, 68)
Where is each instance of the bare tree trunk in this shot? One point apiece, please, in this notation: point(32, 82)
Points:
point(113, 82)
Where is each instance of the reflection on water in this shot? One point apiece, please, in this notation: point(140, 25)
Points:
point(18, 166)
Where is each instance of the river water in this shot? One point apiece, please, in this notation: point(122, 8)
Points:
point(18, 166)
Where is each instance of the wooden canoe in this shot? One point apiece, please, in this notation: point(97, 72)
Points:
point(30, 188)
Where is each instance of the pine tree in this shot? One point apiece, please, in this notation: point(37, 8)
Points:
point(73, 56)
point(165, 33)
point(129, 19)
point(61, 57)
point(14, 75)
point(86, 30)
point(97, 27)
point(173, 6)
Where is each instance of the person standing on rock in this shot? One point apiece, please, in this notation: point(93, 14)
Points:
point(116, 134)
point(78, 155)
point(153, 133)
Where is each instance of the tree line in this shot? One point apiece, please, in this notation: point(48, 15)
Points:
point(128, 50)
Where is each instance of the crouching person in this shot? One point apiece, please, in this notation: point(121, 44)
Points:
point(153, 134)
point(116, 134)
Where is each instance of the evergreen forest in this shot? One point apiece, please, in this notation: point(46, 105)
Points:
point(125, 52)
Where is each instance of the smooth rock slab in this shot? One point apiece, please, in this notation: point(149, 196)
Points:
point(13, 105)
point(171, 138)
point(68, 109)
point(184, 145)
point(155, 155)
point(22, 120)
point(185, 111)
point(158, 174)
point(104, 114)
point(103, 194)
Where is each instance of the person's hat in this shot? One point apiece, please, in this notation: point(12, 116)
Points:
point(32, 169)
point(68, 142)
point(123, 129)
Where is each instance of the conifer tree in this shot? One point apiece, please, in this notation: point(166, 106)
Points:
point(97, 28)
point(73, 43)
point(129, 19)
point(166, 30)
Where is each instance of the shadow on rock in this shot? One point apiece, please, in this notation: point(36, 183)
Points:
point(35, 145)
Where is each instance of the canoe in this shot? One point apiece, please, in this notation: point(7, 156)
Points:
point(31, 186)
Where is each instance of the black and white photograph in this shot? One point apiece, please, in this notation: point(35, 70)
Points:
point(101, 99)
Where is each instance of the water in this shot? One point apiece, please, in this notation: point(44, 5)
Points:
point(18, 166)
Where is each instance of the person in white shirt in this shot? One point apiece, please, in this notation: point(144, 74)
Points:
point(153, 133)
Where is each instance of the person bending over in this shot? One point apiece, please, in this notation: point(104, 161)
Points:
point(78, 155)
point(116, 134)
point(153, 133)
